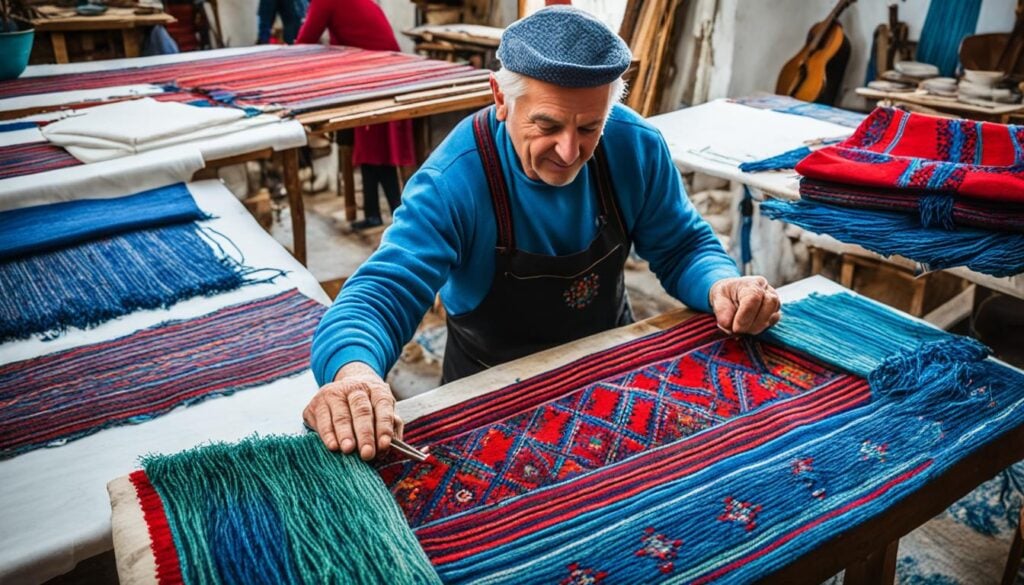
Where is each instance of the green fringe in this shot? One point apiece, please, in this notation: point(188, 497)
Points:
point(284, 509)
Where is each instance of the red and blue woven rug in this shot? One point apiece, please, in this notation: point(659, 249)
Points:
point(296, 78)
point(74, 393)
point(682, 457)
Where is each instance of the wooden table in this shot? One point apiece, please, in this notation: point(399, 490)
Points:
point(60, 21)
point(867, 552)
point(922, 101)
point(409, 106)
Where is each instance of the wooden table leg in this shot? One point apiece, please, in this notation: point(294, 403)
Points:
point(348, 180)
point(60, 47)
point(846, 273)
point(130, 40)
point(345, 140)
point(298, 211)
point(879, 568)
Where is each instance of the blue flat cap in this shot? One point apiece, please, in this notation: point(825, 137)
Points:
point(564, 46)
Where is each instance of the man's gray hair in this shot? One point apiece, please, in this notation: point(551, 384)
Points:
point(513, 85)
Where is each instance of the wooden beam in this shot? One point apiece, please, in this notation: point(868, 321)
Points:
point(415, 110)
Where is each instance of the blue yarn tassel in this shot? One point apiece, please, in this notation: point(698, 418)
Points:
point(898, 356)
point(887, 233)
point(945, 26)
point(949, 367)
point(786, 160)
point(937, 211)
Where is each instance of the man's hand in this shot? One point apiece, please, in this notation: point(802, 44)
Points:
point(745, 304)
point(357, 409)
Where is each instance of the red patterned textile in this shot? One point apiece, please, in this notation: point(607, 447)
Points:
point(296, 78)
point(897, 150)
point(33, 157)
point(598, 413)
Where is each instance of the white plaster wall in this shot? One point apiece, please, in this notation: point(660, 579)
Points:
point(754, 38)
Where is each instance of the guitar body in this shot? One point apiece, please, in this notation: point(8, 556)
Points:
point(815, 75)
point(816, 72)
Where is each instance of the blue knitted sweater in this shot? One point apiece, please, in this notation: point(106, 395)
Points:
point(444, 234)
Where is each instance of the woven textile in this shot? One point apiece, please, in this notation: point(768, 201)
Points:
point(275, 510)
point(962, 211)
point(77, 392)
point(788, 105)
point(33, 157)
point(681, 457)
point(85, 285)
point(297, 78)
point(897, 150)
point(73, 222)
point(887, 233)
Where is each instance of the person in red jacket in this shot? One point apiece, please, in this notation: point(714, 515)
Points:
point(379, 149)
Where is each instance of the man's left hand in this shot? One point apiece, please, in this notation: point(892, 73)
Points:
point(745, 304)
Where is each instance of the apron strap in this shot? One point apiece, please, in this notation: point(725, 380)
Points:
point(606, 192)
point(495, 179)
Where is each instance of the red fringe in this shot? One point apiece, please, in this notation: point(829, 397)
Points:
point(168, 565)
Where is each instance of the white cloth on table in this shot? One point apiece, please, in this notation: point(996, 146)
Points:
point(136, 126)
point(80, 96)
point(112, 178)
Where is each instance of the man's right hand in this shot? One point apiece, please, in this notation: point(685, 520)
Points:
point(357, 409)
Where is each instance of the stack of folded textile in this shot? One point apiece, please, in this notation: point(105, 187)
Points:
point(943, 192)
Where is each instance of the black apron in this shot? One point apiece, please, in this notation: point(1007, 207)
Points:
point(536, 301)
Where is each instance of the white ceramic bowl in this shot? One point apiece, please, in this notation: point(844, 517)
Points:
point(984, 78)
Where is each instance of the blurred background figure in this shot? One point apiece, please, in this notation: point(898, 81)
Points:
point(380, 149)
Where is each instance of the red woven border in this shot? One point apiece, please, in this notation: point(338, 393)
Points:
point(168, 565)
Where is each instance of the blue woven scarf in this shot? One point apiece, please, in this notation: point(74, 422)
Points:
point(42, 228)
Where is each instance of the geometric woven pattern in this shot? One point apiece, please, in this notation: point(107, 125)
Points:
point(599, 424)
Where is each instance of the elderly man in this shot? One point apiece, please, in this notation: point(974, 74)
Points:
point(523, 218)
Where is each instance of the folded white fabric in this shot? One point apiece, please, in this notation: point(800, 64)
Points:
point(131, 127)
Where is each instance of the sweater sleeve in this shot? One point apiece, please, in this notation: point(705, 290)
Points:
point(317, 16)
point(384, 301)
point(670, 234)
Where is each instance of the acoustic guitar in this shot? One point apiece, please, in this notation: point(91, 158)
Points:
point(816, 72)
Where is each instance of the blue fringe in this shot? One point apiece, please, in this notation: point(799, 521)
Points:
point(786, 160)
point(945, 26)
point(898, 356)
point(996, 253)
point(41, 228)
point(86, 285)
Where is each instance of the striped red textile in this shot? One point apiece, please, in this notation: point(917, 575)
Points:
point(596, 426)
point(33, 157)
point(77, 392)
point(296, 78)
point(894, 150)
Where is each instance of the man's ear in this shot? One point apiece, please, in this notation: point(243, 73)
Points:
point(501, 108)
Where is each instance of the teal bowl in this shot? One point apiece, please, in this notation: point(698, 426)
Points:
point(15, 48)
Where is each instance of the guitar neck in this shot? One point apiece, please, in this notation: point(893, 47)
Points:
point(837, 11)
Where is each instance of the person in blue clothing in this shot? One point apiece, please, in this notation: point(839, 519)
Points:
point(523, 219)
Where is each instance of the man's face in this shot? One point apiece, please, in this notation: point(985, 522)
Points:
point(554, 129)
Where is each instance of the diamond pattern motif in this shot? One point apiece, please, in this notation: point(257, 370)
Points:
point(597, 425)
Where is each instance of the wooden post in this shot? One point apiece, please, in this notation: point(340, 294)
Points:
point(348, 174)
point(60, 47)
point(130, 40)
point(879, 568)
point(294, 188)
